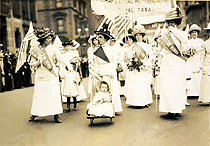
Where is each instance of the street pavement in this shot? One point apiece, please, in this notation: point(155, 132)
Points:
point(132, 127)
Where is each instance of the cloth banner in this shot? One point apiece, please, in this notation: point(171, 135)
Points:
point(148, 11)
point(101, 54)
point(167, 43)
point(39, 51)
point(139, 52)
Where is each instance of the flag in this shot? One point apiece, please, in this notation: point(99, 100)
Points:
point(120, 25)
point(25, 47)
point(101, 54)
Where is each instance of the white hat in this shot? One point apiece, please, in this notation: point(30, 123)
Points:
point(194, 27)
point(208, 27)
point(138, 29)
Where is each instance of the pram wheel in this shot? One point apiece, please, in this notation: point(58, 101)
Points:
point(110, 120)
point(91, 121)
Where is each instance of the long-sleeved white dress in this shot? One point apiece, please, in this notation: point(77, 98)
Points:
point(138, 83)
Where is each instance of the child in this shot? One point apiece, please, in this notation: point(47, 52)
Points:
point(101, 104)
point(70, 87)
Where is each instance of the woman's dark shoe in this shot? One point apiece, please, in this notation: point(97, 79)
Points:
point(75, 109)
point(178, 115)
point(32, 118)
point(57, 119)
point(67, 109)
point(169, 116)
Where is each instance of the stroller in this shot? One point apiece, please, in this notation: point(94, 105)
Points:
point(101, 105)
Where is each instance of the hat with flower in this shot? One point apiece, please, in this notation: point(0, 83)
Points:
point(138, 29)
point(42, 33)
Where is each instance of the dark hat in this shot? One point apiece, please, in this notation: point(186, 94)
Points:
point(130, 31)
point(175, 14)
point(74, 44)
point(43, 32)
point(104, 31)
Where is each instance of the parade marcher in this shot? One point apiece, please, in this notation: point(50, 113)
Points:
point(71, 52)
point(172, 68)
point(193, 53)
point(93, 41)
point(204, 66)
point(106, 63)
point(126, 47)
point(102, 101)
point(70, 79)
point(46, 97)
point(139, 61)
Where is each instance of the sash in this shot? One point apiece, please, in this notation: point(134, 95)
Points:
point(166, 41)
point(139, 52)
point(36, 51)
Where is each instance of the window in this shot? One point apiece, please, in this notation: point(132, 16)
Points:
point(25, 15)
point(16, 8)
point(60, 25)
point(84, 8)
point(32, 10)
point(75, 3)
point(58, 3)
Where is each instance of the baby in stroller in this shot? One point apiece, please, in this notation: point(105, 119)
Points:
point(101, 104)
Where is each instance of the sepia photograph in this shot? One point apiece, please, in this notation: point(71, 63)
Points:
point(104, 73)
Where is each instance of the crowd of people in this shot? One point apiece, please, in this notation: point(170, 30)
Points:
point(9, 79)
point(177, 61)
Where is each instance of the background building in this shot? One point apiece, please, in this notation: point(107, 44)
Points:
point(15, 16)
point(70, 19)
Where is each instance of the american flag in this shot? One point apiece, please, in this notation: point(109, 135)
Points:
point(25, 47)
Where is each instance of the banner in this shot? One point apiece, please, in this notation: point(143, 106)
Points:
point(39, 51)
point(167, 43)
point(148, 10)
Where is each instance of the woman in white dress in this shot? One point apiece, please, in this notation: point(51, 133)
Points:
point(106, 64)
point(91, 63)
point(172, 68)
point(204, 66)
point(139, 61)
point(193, 62)
point(46, 97)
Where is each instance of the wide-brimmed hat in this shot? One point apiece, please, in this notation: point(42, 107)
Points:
point(138, 29)
point(74, 44)
point(194, 27)
point(208, 27)
point(174, 14)
point(104, 31)
point(42, 33)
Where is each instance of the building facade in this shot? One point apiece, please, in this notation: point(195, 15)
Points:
point(197, 12)
point(15, 17)
point(69, 19)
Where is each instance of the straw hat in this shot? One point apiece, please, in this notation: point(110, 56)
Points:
point(104, 31)
point(74, 44)
point(208, 27)
point(194, 27)
point(175, 14)
point(138, 29)
point(43, 33)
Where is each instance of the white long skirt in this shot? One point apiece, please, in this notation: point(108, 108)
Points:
point(172, 84)
point(204, 90)
point(105, 109)
point(193, 85)
point(46, 98)
point(138, 88)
